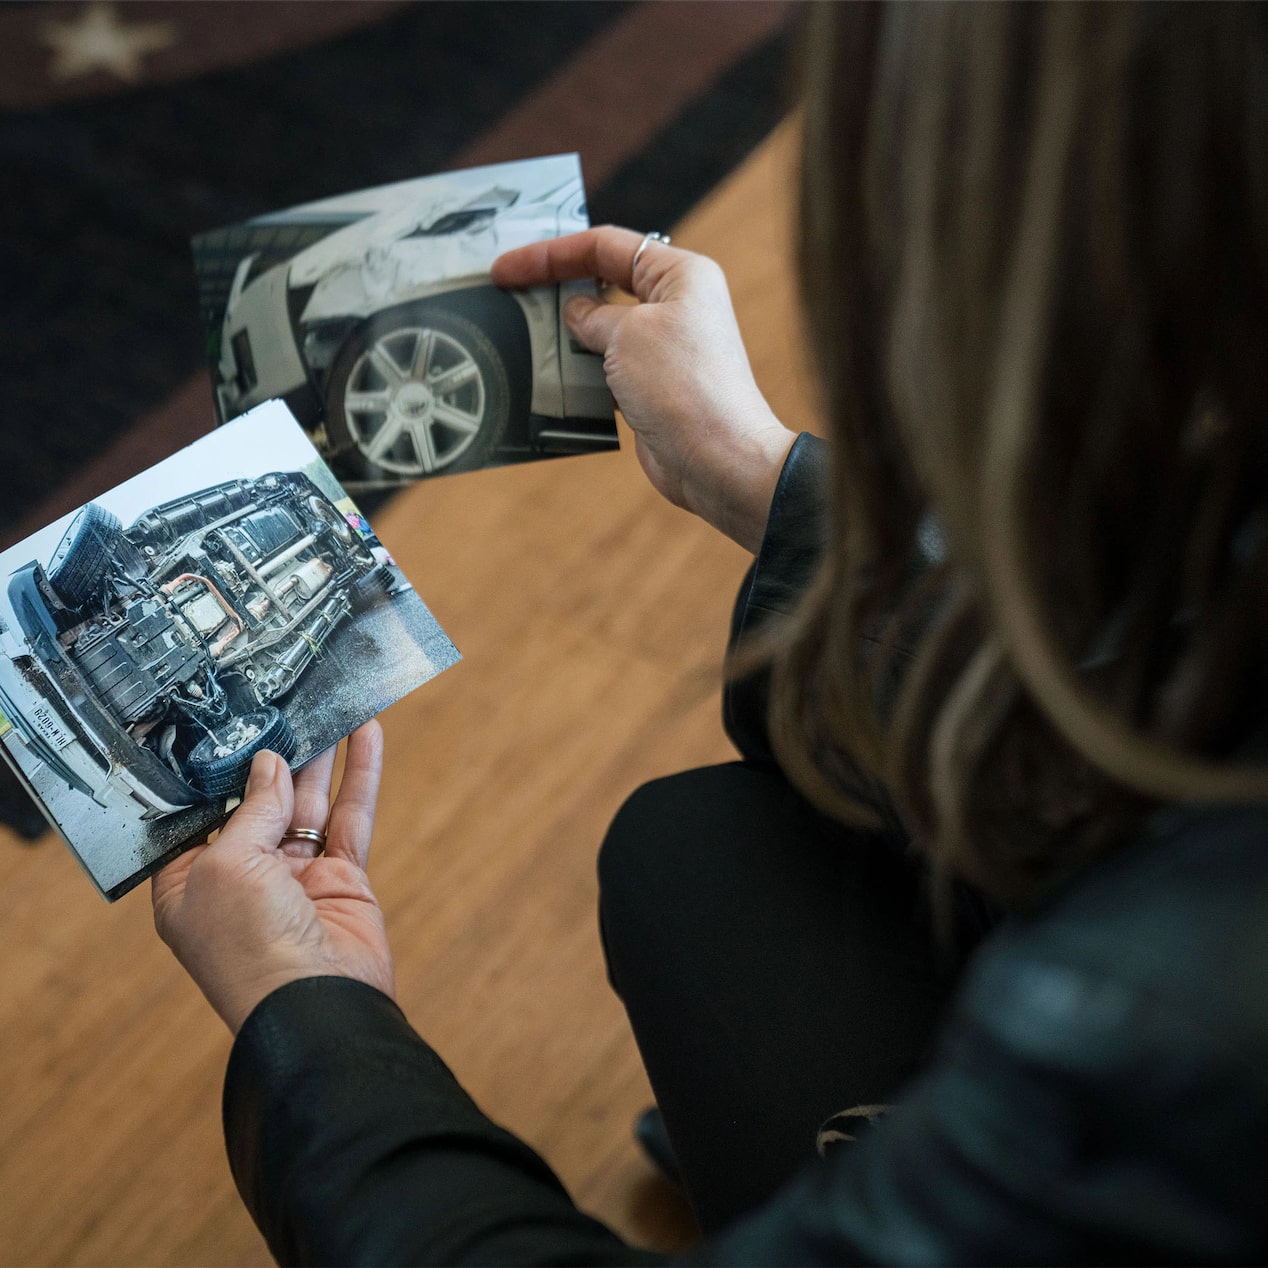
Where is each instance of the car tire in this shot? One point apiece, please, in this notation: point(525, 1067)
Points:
point(327, 517)
point(80, 562)
point(225, 774)
point(373, 588)
point(382, 403)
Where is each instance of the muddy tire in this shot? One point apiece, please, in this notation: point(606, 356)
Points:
point(82, 558)
point(219, 763)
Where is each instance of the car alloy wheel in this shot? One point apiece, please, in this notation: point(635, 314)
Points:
point(420, 392)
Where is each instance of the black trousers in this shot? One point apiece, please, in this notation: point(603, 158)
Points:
point(776, 967)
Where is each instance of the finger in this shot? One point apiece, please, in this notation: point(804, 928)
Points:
point(312, 802)
point(352, 815)
point(606, 252)
point(593, 322)
point(258, 823)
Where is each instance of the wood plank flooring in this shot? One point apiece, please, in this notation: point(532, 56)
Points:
point(592, 617)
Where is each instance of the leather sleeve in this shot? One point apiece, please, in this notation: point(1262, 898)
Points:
point(790, 551)
point(794, 541)
point(351, 1143)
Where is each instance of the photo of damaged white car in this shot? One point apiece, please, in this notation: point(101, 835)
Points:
point(144, 666)
point(373, 315)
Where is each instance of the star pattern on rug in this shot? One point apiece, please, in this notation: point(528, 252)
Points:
point(99, 40)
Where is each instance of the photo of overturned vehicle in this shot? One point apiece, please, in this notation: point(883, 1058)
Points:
point(388, 340)
point(157, 651)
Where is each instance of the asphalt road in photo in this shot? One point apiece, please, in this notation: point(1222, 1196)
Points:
point(368, 663)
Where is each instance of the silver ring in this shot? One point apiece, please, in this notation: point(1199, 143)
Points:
point(305, 834)
point(648, 239)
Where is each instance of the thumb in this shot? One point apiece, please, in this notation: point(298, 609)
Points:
point(594, 322)
point(258, 823)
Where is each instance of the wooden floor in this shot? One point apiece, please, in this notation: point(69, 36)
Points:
point(591, 616)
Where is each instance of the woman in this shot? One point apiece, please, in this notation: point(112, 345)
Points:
point(1027, 588)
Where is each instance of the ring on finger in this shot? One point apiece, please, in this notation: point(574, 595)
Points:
point(648, 239)
point(317, 837)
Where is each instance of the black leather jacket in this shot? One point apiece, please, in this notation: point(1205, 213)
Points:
point(1100, 1093)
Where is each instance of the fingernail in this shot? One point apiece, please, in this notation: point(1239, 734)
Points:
point(263, 772)
point(574, 309)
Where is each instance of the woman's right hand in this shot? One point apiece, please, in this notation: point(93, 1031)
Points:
point(677, 367)
point(253, 910)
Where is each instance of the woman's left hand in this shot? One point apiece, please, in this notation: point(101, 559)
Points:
point(247, 913)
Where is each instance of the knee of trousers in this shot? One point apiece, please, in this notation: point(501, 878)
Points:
point(635, 863)
point(632, 841)
point(665, 843)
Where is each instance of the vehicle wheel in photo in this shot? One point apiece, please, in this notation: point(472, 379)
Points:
point(325, 513)
point(373, 587)
point(81, 560)
point(419, 391)
point(219, 763)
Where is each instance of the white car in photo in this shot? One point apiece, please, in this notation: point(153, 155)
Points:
point(390, 343)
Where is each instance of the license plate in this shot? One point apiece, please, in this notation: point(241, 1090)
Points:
point(50, 727)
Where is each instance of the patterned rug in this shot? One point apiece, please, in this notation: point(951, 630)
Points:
point(127, 127)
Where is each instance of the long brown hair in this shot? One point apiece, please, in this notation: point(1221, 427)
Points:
point(1034, 254)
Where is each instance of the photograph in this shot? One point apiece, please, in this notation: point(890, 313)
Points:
point(373, 315)
point(228, 600)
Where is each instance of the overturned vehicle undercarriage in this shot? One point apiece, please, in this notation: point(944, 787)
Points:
point(161, 647)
